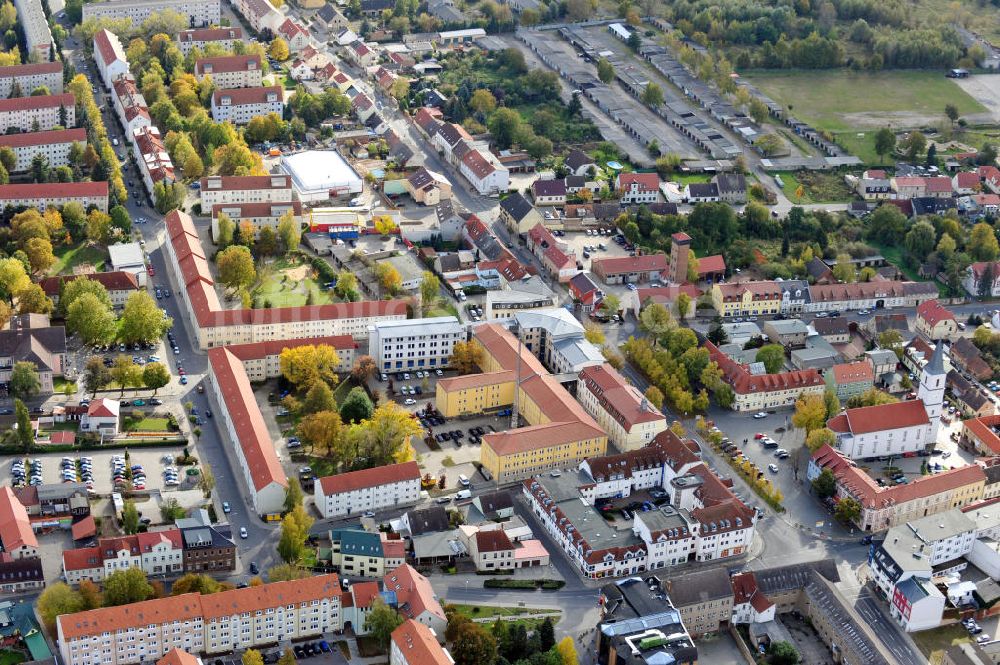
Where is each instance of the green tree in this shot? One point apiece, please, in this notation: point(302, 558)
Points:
point(142, 319)
point(605, 71)
point(206, 480)
point(982, 245)
point(914, 143)
point(95, 375)
point(504, 125)
point(319, 398)
point(130, 518)
point(683, 304)
point(25, 433)
point(124, 587)
point(773, 357)
point(885, 142)
point(24, 381)
point(91, 319)
point(818, 438)
point(293, 495)
point(655, 319)
point(783, 653)
point(921, 239)
point(289, 231)
point(195, 583)
point(236, 269)
point(474, 646)
point(357, 406)
point(73, 289)
point(825, 484)
point(652, 94)
point(286, 572)
point(57, 599)
point(848, 510)
point(125, 372)
point(155, 376)
point(886, 225)
point(381, 621)
point(546, 635)
point(430, 287)
point(294, 532)
point(225, 229)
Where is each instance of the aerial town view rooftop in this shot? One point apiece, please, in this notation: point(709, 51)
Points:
point(500, 332)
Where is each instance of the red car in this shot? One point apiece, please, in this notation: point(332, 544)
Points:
point(758, 435)
point(151, 270)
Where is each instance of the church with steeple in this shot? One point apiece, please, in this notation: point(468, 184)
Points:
point(895, 429)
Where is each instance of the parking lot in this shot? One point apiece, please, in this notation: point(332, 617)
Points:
point(331, 657)
point(151, 461)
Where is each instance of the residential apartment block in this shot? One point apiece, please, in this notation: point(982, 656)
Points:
point(216, 190)
point(265, 214)
point(154, 552)
point(886, 507)
point(230, 71)
point(109, 57)
point(38, 114)
point(215, 326)
point(754, 392)
point(240, 105)
point(152, 157)
point(130, 105)
point(359, 553)
point(54, 145)
point(198, 12)
point(21, 566)
point(42, 195)
point(260, 14)
point(212, 624)
point(619, 407)
point(413, 643)
point(374, 489)
point(28, 77)
point(419, 344)
point(37, 35)
point(224, 38)
point(529, 292)
point(704, 520)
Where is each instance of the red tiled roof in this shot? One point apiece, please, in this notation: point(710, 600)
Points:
point(479, 165)
point(85, 528)
point(248, 422)
point(766, 290)
point(743, 382)
point(227, 63)
point(967, 179)
point(54, 190)
point(151, 538)
point(649, 182)
point(380, 475)
point(618, 397)
point(50, 137)
point(31, 69)
point(745, 590)
point(939, 184)
point(258, 350)
point(983, 430)
point(103, 408)
point(178, 657)
point(15, 527)
point(210, 34)
point(82, 558)
point(229, 183)
point(493, 541)
point(117, 280)
point(629, 264)
point(933, 312)
point(414, 591)
point(882, 417)
point(108, 46)
point(40, 102)
point(364, 593)
point(257, 209)
point(845, 373)
point(711, 264)
point(241, 96)
point(290, 29)
point(418, 644)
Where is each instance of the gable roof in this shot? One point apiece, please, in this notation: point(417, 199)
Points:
point(374, 477)
point(577, 159)
point(880, 418)
point(413, 592)
point(648, 182)
point(933, 312)
point(418, 645)
point(516, 206)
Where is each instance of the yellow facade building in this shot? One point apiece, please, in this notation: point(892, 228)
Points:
point(475, 393)
point(746, 298)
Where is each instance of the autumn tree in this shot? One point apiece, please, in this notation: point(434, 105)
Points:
point(364, 368)
point(236, 268)
point(195, 583)
point(384, 225)
point(810, 413)
point(656, 320)
point(278, 49)
point(252, 657)
point(871, 397)
point(124, 587)
point(305, 365)
point(293, 495)
point(848, 510)
point(289, 231)
point(818, 438)
point(125, 372)
point(386, 435)
point(466, 357)
point(57, 599)
point(286, 572)
point(323, 433)
point(566, 651)
point(294, 533)
point(430, 288)
point(319, 398)
point(142, 320)
point(388, 277)
point(473, 645)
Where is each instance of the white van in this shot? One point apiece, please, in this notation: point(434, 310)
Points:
point(463, 480)
point(463, 494)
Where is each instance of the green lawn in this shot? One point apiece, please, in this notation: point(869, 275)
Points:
point(490, 612)
point(59, 385)
point(152, 425)
point(68, 257)
point(9, 657)
point(290, 294)
point(840, 100)
point(932, 643)
point(817, 187)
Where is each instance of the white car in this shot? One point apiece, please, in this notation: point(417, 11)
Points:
point(243, 533)
point(773, 468)
point(439, 372)
point(759, 415)
point(410, 401)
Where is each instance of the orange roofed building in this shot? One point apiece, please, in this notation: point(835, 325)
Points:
point(756, 392)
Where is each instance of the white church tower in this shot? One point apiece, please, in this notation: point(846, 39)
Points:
point(931, 391)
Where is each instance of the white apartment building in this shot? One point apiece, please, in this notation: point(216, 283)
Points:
point(162, 552)
point(413, 643)
point(531, 292)
point(260, 14)
point(618, 407)
point(374, 489)
point(41, 195)
point(130, 105)
point(109, 57)
point(199, 12)
point(261, 215)
point(231, 190)
point(238, 619)
point(484, 172)
point(152, 157)
point(37, 35)
point(54, 145)
point(240, 105)
point(231, 71)
point(224, 38)
point(417, 344)
point(30, 76)
point(38, 114)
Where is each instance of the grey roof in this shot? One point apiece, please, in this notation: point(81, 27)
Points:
point(436, 545)
point(57, 491)
point(785, 578)
point(817, 268)
point(516, 206)
point(913, 589)
point(493, 502)
point(698, 587)
point(577, 158)
point(583, 283)
point(731, 182)
point(936, 364)
point(427, 520)
point(326, 13)
point(703, 189)
point(205, 536)
point(578, 351)
point(198, 518)
point(30, 338)
point(834, 326)
point(788, 327)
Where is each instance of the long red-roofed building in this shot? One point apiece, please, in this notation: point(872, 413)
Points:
point(47, 111)
point(756, 392)
point(58, 194)
point(373, 489)
point(886, 507)
point(54, 145)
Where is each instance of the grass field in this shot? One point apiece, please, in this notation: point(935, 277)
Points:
point(68, 257)
point(287, 283)
point(10, 657)
point(840, 100)
point(491, 612)
point(817, 187)
point(932, 643)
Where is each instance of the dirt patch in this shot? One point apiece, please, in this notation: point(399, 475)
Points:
point(297, 274)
